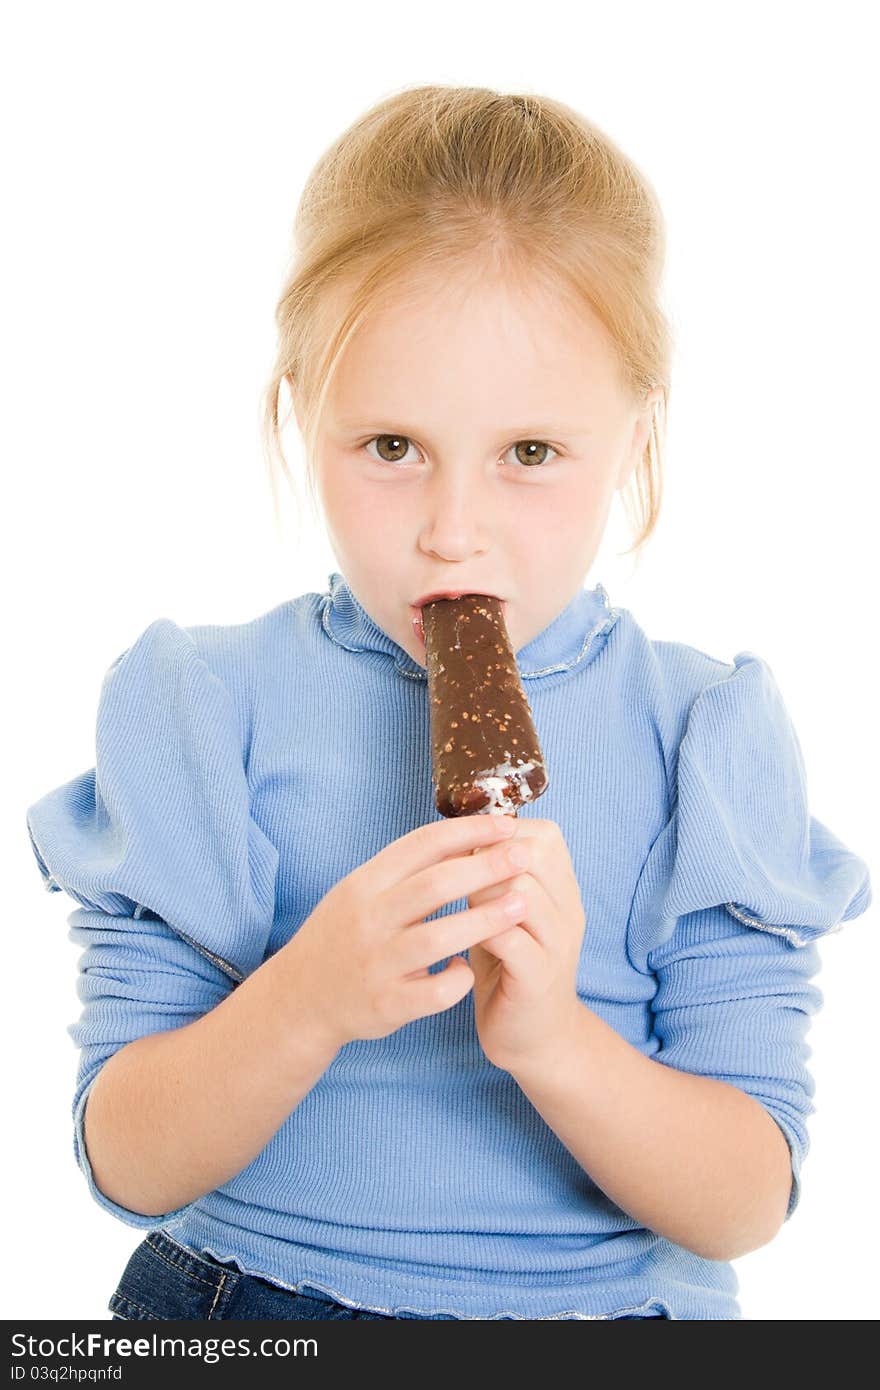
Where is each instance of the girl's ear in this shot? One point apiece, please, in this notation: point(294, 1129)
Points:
point(640, 435)
point(297, 407)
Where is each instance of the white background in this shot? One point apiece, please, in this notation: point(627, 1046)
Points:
point(153, 158)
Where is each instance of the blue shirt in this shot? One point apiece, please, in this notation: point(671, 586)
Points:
point(242, 770)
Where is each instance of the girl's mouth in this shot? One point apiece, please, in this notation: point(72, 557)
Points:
point(419, 627)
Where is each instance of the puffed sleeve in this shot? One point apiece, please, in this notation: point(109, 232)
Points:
point(175, 879)
point(738, 886)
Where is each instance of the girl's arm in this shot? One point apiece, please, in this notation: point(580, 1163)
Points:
point(692, 1158)
point(175, 1114)
point(703, 1141)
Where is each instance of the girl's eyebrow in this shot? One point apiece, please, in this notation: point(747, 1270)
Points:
point(528, 431)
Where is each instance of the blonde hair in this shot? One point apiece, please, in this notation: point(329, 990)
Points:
point(435, 176)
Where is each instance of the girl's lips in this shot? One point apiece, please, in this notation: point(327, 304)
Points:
point(418, 625)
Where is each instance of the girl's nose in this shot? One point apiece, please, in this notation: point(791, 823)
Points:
point(457, 517)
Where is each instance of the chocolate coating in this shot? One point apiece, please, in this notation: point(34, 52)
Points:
point(484, 748)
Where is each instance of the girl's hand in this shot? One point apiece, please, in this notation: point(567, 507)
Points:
point(363, 954)
point(525, 990)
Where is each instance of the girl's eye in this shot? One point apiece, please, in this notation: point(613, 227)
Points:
point(393, 447)
point(531, 452)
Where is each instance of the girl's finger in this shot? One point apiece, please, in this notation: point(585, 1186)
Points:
point(431, 844)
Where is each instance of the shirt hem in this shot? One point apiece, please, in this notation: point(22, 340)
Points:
point(306, 1281)
point(523, 1295)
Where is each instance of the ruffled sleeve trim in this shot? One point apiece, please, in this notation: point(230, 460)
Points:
point(739, 833)
point(162, 825)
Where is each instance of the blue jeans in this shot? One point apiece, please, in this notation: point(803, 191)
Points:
point(164, 1279)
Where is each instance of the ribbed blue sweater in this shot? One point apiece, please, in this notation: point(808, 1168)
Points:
point(242, 770)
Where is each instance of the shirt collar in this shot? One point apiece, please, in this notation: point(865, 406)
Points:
point(571, 640)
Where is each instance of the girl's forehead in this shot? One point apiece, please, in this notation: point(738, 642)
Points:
point(523, 354)
point(509, 294)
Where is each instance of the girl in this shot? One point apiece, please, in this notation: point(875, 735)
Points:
point(333, 1061)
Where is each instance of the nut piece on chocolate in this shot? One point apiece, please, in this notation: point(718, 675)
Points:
point(484, 748)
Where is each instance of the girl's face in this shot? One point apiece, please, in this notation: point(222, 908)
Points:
point(473, 437)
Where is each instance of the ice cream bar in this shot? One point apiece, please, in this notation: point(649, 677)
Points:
point(484, 749)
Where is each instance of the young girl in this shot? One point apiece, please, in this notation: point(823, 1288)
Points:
point(333, 1061)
